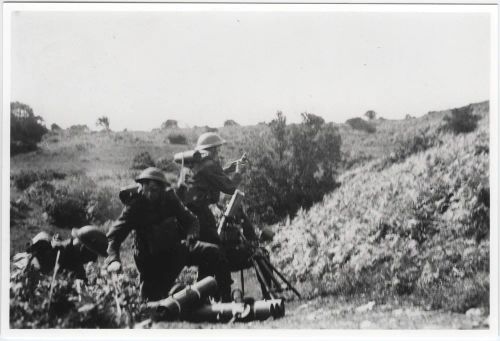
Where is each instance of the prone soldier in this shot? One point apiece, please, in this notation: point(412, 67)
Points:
point(84, 246)
point(166, 237)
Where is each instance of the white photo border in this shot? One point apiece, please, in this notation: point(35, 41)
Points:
point(6, 333)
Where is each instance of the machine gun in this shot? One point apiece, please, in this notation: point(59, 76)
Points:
point(272, 281)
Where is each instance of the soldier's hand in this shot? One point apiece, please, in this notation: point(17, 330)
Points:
point(191, 239)
point(240, 166)
point(114, 266)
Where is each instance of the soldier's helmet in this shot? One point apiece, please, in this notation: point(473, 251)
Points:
point(42, 241)
point(208, 140)
point(152, 173)
point(92, 238)
point(41, 237)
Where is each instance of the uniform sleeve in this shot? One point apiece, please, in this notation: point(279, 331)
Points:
point(218, 180)
point(184, 216)
point(117, 234)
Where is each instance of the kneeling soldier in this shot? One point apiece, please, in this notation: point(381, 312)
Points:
point(161, 222)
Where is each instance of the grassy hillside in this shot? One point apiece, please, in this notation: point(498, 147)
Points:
point(415, 225)
point(410, 218)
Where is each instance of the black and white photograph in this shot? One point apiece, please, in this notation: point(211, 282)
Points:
point(303, 168)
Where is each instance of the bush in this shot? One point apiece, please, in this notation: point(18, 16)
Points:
point(230, 123)
point(142, 160)
point(360, 124)
point(55, 128)
point(167, 164)
point(177, 138)
point(462, 120)
point(24, 179)
point(75, 201)
point(78, 129)
point(26, 129)
point(292, 166)
point(211, 130)
point(169, 124)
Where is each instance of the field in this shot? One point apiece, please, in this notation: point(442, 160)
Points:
point(407, 229)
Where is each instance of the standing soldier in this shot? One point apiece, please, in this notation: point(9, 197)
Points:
point(204, 187)
point(84, 246)
point(161, 222)
point(208, 180)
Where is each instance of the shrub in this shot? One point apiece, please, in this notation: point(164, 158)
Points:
point(370, 114)
point(230, 123)
point(462, 120)
point(169, 124)
point(78, 129)
point(167, 164)
point(210, 129)
point(177, 138)
point(292, 166)
point(26, 129)
point(55, 128)
point(103, 122)
point(75, 201)
point(24, 179)
point(360, 124)
point(142, 160)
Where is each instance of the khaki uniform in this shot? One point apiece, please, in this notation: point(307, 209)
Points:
point(159, 252)
point(204, 187)
point(43, 259)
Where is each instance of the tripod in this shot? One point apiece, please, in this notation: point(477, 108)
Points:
point(266, 275)
point(252, 256)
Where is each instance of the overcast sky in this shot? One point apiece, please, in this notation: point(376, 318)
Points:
point(201, 68)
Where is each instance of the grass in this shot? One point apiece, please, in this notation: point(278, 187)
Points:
point(360, 239)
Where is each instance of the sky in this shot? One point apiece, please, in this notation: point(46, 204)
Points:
point(201, 67)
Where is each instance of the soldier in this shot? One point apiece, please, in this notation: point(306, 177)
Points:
point(204, 187)
point(84, 246)
point(161, 222)
point(208, 180)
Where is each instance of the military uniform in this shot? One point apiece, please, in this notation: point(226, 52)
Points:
point(204, 187)
point(41, 254)
point(159, 252)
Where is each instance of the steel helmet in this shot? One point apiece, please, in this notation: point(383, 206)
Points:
point(41, 237)
point(152, 173)
point(208, 140)
point(93, 239)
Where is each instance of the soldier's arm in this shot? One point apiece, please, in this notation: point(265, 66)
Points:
point(218, 180)
point(186, 218)
point(117, 234)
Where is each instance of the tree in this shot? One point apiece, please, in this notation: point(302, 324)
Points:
point(103, 122)
point(26, 129)
point(54, 127)
point(230, 123)
point(169, 124)
point(370, 114)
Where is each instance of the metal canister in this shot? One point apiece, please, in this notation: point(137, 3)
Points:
point(221, 312)
point(264, 309)
point(183, 301)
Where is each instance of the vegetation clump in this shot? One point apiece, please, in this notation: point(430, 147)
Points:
point(419, 228)
point(292, 166)
point(461, 120)
point(359, 124)
point(142, 160)
point(177, 138)
point(26, 129)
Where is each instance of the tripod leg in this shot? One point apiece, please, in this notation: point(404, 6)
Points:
point(268, 274)
point(242, 278)
point(265, 289)
point(280, 275)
